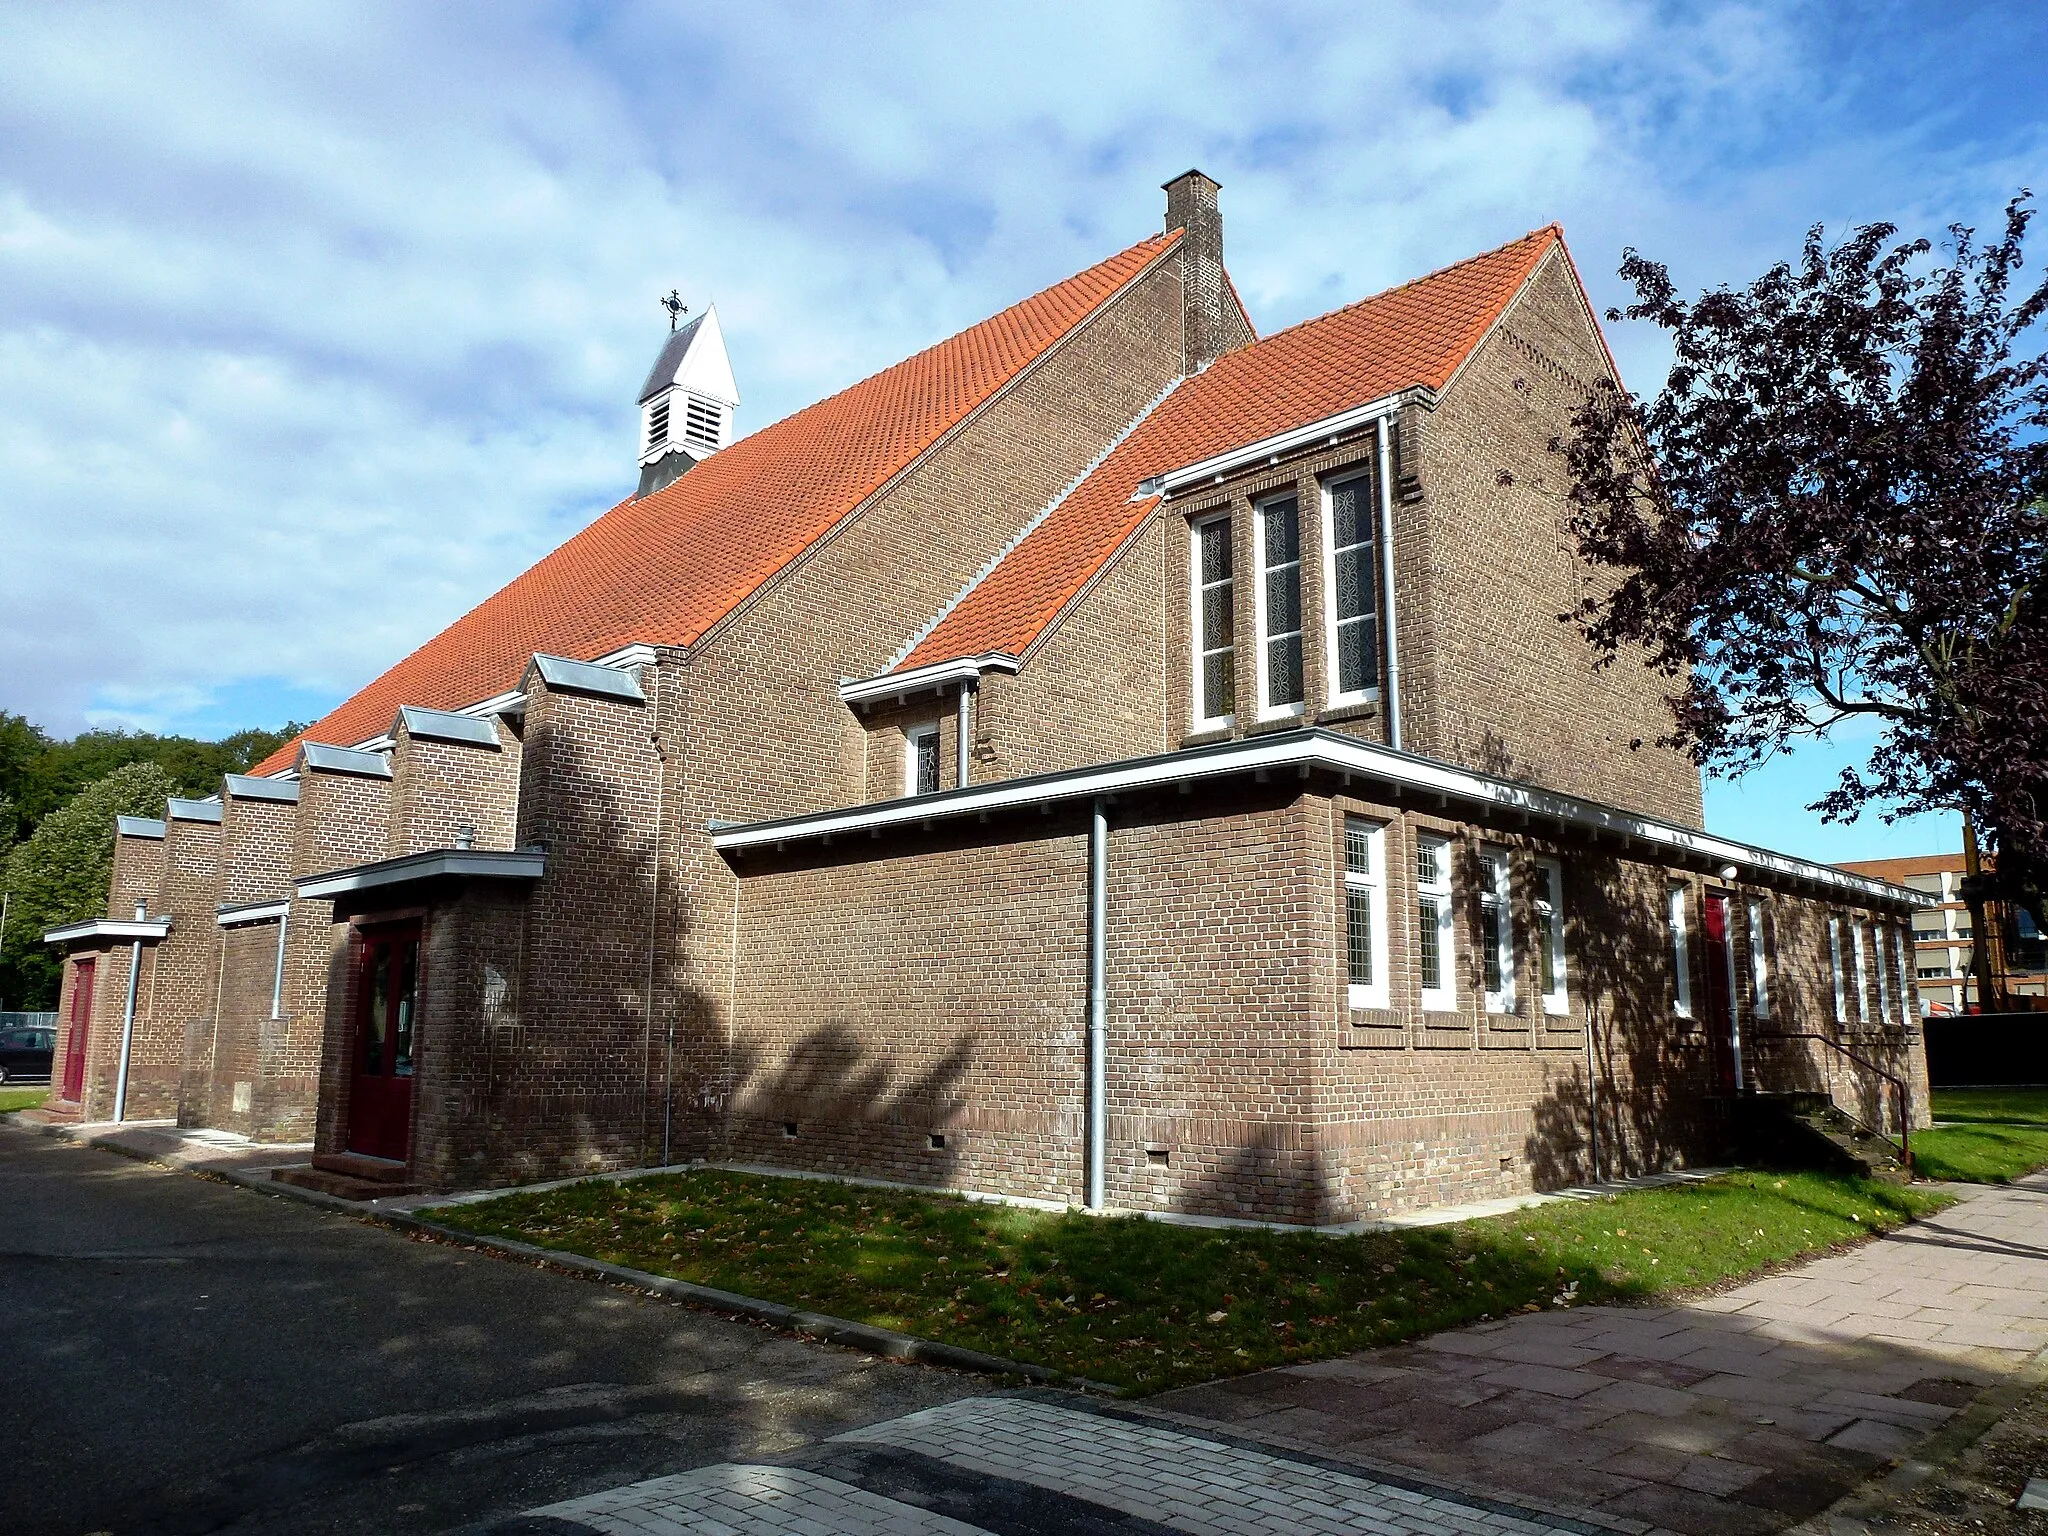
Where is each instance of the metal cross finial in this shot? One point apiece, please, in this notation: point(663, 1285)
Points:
point(672, 301)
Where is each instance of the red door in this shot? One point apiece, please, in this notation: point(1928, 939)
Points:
point(81, 1024)
point(387, 987)
point(1720, 999)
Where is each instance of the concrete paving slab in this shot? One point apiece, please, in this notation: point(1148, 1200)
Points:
point(1731, 1415)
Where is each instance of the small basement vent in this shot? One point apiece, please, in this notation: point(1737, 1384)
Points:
point(657, 424)
point(703, 421)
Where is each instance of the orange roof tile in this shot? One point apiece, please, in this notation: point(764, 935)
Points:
point(1417, 334)
point(663, 569)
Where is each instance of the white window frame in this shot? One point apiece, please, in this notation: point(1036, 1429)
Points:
point(1444, 998)
point(1267, 710)
point(1372, 884)
point(1498, 894)
point(1906, 978)
point(1835, 959)
point(1368, 481)
point(1681, 950)
point(1759, 964)
point(1205, 722)
point(1550, 915)
point(1884, 991)
point(914, 736)
point(1862, 969)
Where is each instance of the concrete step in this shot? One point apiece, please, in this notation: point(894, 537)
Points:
point(341, 1185)
point(359, 1165)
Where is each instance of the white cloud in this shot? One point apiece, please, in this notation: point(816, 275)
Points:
point(317, 323)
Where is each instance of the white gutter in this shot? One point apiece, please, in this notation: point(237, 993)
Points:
point(1329, 428)
point(528, 864)
point(108, 928)
point(1305, 751)
point(1098, 1005)
point(250, 912)
point(128, 1021)
point(1387, 588)
point(897, 686)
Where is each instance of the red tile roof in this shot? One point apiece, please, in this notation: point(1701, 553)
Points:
point(665, 568)
point(1417, 334)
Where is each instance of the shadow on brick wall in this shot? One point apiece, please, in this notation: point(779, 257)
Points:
point(854, 1109)
point(1636, 1101)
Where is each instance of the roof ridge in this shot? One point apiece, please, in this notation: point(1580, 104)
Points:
point(1553, 229)
point(1164, 242)
point(1037, 519)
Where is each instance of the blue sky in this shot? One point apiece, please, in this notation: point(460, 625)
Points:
point(317, 322)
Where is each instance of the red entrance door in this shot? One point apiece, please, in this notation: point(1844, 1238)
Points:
point(380, 1098)
point(1720, 999)
point(81, 1024)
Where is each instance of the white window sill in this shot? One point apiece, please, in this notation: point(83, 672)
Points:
point(1284, 712)
point(1366, 997)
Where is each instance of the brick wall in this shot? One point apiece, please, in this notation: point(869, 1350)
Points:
point(188, 968)
point(439, 788)
point(256, 846)
point(344, 820)
point(934, 984)
point(1494, 680)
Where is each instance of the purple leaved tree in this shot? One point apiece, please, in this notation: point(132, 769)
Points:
point(1836, 509)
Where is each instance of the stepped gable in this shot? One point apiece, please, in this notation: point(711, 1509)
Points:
point(662, 569)
point(1416, 334)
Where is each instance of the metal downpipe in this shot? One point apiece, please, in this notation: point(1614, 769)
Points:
point(1098, 1004)
point(128, 1021)
point(1386, 478)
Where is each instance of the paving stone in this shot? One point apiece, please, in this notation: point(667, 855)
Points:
point(1642, 1397)
point(1552, 1379)
point(1876, 1437)
point(1662, 1373)
point(1692, 1513)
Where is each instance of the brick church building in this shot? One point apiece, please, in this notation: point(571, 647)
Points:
point(1109, 756)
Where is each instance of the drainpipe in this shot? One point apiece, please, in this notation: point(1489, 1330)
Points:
point(1098, 1001)
point(1387, 586)
point(128, 1021)
point(961, 734)
point(277, 977)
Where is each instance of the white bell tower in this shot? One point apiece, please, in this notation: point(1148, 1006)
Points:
point(686, 405)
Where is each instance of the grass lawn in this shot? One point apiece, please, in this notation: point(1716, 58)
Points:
point(2003, 1133)
point(1143, 1305)
point(12, 1099)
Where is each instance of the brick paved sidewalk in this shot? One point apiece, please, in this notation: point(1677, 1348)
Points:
point(1732, 1416)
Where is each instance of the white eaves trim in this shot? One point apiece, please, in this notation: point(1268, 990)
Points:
point(585, 677)
point(108, 928)
point(527, 864)
point(1329, 428)
point(250, 912)
point(900, 685)
point(1306, 751)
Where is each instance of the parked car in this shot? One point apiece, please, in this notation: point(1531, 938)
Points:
point(26, 1052)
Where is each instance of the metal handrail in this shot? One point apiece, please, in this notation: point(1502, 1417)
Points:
point(1905, 1093)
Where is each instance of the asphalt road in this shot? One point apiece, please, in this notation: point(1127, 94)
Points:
point(187, 1356)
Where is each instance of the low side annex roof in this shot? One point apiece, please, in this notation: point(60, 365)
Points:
point(662, 569)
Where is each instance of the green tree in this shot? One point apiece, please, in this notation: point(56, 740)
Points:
point(59, 874)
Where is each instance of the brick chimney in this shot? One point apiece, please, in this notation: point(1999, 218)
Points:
point(1209, 328)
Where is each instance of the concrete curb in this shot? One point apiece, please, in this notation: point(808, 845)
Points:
point(866, 1337)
